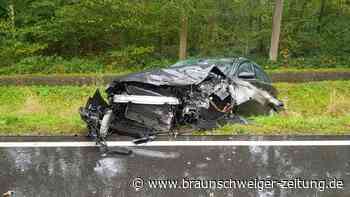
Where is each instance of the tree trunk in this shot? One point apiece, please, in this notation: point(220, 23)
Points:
point(276, 30)
point(261, 45)
point(12, 13)
point(209, 38)
point(320, 16)
point(303, 8)
point(183, 38)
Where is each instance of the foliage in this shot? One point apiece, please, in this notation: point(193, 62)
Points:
point(123, 33)
point(318, 62)
point(130, 56)
point(53, 64)
point(13, 47)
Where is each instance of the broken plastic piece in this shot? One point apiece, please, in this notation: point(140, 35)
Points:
point(146, 100)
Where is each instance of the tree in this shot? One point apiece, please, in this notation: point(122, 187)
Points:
point(320, 16)
point(276, 30)
point(11, 12)
point(183, 37)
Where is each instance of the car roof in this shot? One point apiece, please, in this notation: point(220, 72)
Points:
point(193, 61)
point(221, 63)
point(231, 60)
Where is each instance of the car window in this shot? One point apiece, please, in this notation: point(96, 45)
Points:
point(185, 63)
point(261, 75)
point(244, 67)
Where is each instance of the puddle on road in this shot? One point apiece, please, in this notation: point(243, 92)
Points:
point(155, 154)
point(83, 172)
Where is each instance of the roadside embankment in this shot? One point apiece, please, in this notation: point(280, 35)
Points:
point(102, 79)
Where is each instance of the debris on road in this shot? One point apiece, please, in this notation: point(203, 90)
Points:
point(9, 194)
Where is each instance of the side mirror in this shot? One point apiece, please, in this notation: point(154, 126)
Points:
point(246, 75)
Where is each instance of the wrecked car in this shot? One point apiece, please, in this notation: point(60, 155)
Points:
point(201, 94)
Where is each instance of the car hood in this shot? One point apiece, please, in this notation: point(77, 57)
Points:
point(177, 76)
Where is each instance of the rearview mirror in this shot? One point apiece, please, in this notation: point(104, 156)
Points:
point(246, 75)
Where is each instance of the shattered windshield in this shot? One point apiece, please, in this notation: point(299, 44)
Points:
point(189, 62)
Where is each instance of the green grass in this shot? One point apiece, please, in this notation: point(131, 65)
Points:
point(311, 108)
point(42, 110)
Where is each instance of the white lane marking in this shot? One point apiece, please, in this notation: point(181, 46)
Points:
point(182, 143)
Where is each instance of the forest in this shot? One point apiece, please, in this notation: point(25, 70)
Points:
point(101, 36)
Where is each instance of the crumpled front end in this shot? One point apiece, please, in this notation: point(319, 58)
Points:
point(251, 100)
point(97, 115)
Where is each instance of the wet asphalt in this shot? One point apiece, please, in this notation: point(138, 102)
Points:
point(84, 171)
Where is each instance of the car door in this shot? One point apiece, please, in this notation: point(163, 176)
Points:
point(259, 77)
point(263, 81)
point(246, 72)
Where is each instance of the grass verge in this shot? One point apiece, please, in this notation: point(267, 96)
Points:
point(311, 108)
point(42, 110)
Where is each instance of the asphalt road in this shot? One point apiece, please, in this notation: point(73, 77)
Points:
point(38, 170)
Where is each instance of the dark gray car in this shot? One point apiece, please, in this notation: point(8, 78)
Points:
point(202, 94)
